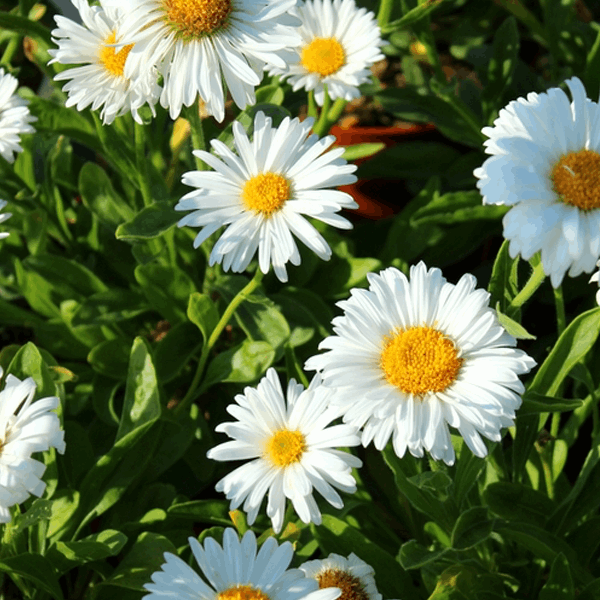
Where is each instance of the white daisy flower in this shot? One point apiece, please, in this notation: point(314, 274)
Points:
point(411, 357)
point(262, 192)
point(340, 42)
point(352, 575)
point(4, 217)
point(198, 43)
point(100, 80)
point(546, 165)
point(293, 450)
point(25, 427)
point(236, 571)
point(15, 117)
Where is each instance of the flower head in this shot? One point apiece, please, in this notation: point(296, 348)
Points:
point(292, 447)
point(15, 117)
point(545, 163)
point(352, 575)
point(198, 43)
point(261, 193)
point(101, 80)
point(236, 571)
point(25, 427)
point(340, 43)
point(410, 357)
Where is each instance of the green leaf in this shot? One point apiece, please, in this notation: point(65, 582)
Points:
point(503, 285)
point(270, 94)
point(591, 78)
point(468, 468)
point(203, 313)
point(243, 364)
point(110, 358)
point(150, 222)
point(410, 160)
point(214, 512)
point(28, 362)
point(536, 403)
point(99, 196)
point(142, 399)
point(144, 559)
point(412, 16)
point(501, 66)
point(471, 528)
point(518, 502)
point(63, 512)
point(357, 151)
point(413, 555)
point(34, 568)
point(512, 327)
point(560, 582)
point(175, 350)
point(335, 535)
point(25, 26)
point(109, 307)
point(67, 555)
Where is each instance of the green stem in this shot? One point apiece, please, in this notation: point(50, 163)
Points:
point(214, 336)
point(384, 13)
point(322, 126)
point(516, 8)
point(293, 367)
point(10, 51)
point(336, 111)
point(142, 165)
point(197, 131)
point(559, 301)
point(312, 105)
point(535, 280)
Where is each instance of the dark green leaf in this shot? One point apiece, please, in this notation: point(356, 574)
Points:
point(536, 403)
point(203, 313)
point(415, 556)
point(503, 285)
point(152, 221)
point(560, 583)
point(214, 512)
point(471, 528)
point(412, 16)
point(36, 569)
point(518, 502)
point(110, 358)
point(512, 327)
point(174, 351)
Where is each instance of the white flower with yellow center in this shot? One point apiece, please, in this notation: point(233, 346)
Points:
point(262, 193)
point(15, 117)
point(411, 357)
point(293, 449)
point(351, 575)
point(235, 571)
point(340, 43)
point(546, 165)
point(4, 217)
point(100, 80)
point(25, 427)
point(197, 44)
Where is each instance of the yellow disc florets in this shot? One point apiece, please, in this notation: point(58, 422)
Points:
point(266, 193)
point(285, 447)
point(242, 592)
point(576, 179)
point(193, 19)
point(113, 61)
point(324, 56)
point(420, 360)
point(351, 586)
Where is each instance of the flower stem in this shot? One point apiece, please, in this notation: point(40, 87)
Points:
point(142, 165)
point(197, 130)
point(384, 13)
point(534, 282)
point(322, 125)
point(214, 336)
point(559, 302)
point(312, 105)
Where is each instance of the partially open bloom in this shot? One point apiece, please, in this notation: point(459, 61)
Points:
point(15, 117)
point(25, 427)
point(101, 80)
point(197, 44)
point(340, 43)
point(292, 447)
point(262, 193)
point(236, 571)
point(545, 163)
point(410, 357)
point(4, 217)
point(352, 575)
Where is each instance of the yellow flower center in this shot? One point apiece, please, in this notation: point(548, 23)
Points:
point(324, 56)
point(242, 592)
point(266, 193)
point(352, 587)
point(192, 19)
point(576, 179)
point(285, 447)
point(420, 360)
point(114, 62)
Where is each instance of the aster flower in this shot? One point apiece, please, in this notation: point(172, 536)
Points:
point(410, 357)
point(4, 217)
point(292, 447)
point(197, 43)
point(25, 427)
point(101, 80)
point(15, 117)
point(262, 192)
point(236, 571)
point(351, 575)
point(340, 43)
point(545, 164)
